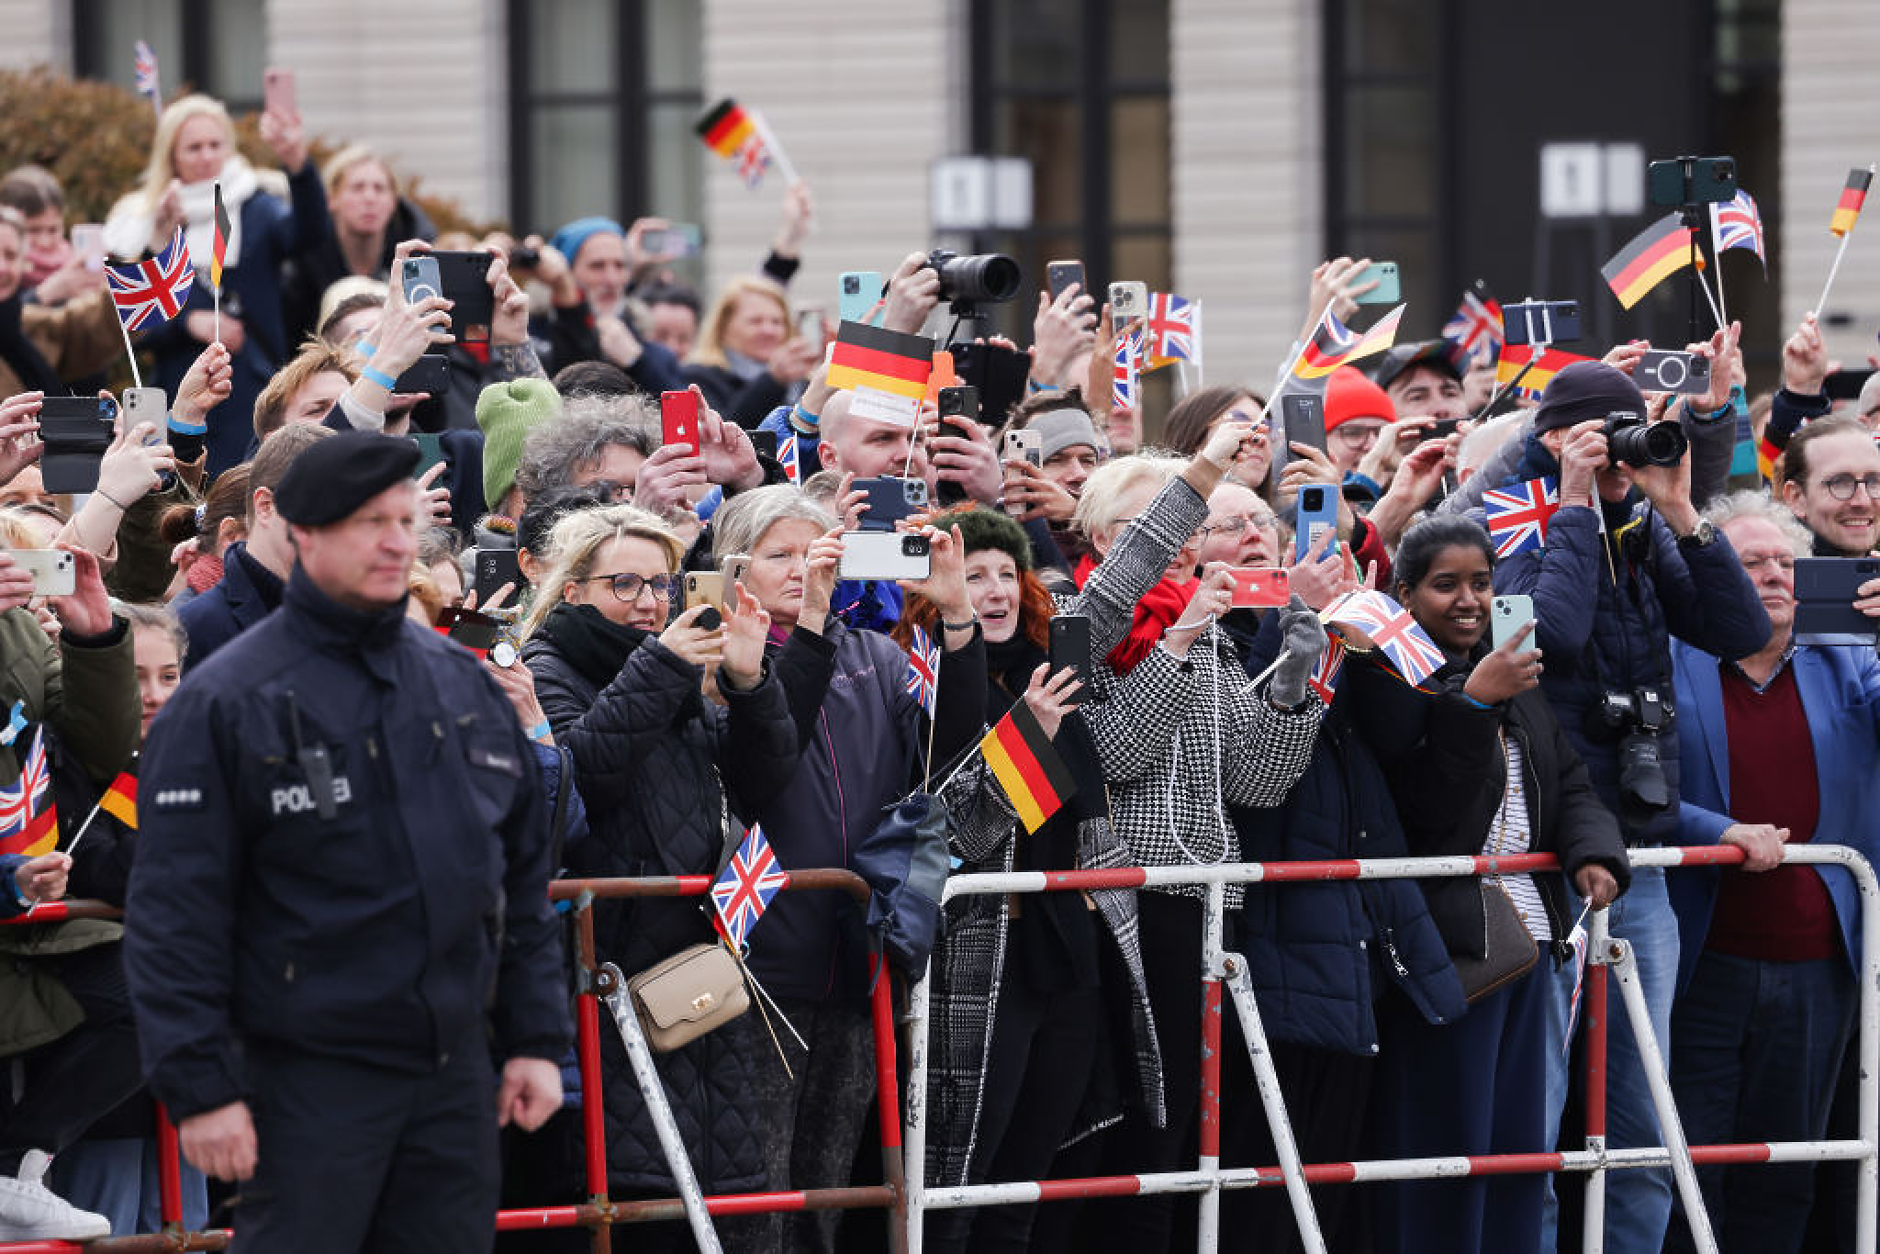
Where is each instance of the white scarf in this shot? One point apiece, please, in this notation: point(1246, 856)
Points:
point(128, 232)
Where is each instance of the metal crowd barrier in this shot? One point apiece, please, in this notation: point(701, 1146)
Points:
point(1220, 967)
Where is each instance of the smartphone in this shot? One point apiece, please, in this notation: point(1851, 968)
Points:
point(88, 242)
point(809, 325)
point(430, 374)
point(420, 278)
point(1845, 385)
point(1070, 648)
point(1059, 275)
point(473, 629)
point(765, 442)
point(464, 280)
point(1387, 292)
point(731, 572)
point(76, 431)
point(707, 588)
point(1261, 587)
point(146, 405)
point(1541, 322)
point(1664, 371)
point(1128, 301)
point(54, 571)
point(884, 555)
point(277, 91)
point(494, 568)
point(678, 419)
point(1000, 374)
point(1023, 445)
point(1691, 180)
point(1318, 513)
point(890, 500)
point(958, 401)
point(681, 239)
point(1825, 588)
point(1508, 615)
point(856, 294)
point(430, 451)
point(1303, 417)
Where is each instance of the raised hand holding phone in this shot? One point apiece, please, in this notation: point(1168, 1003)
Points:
point(1512, 668)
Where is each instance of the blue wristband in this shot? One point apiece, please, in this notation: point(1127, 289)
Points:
point(372, 374)
point(182, 428)
point(539, 731)
point(364, 349)
point(804, 418)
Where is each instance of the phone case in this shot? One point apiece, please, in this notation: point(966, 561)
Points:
point(420, 279)
point(1061, 274)
point(1024, 446)
point(54, 571)
point(890, 500)
point(883, 555)
point(856, 294)
point(464, 278)
point(1313, 521)
point(678, 419)
point(1260, 588)
point(1387, 292)
point(1507, 615)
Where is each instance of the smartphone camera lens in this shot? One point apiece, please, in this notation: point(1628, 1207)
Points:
point(913, 546)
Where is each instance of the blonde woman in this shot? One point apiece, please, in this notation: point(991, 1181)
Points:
point(749, 359)
point(369, 216)
point(666, 777)
point(194, 149)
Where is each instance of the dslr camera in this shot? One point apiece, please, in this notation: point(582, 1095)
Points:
point(981, 279)
point(1639, 716)
point(1632, 440)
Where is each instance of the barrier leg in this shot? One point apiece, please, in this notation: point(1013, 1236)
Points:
point(588, 1059)
point(1208, 1226)
point(1266, 1079)
point(1593, 1013)
point(1670, 1127)
point(887, 1087)
point(169, 1172)
point(914, 1119)
point(620, 1002)
point(1868, 1043)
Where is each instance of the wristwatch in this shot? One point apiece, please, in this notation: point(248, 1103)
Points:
point(1702, 536)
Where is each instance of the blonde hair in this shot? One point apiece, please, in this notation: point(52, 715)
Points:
point(710, 349)
point(316, 357)
point(15, 531)
point(162, 166)
point(576, 541)
point(1101, 505)
point(342, 162)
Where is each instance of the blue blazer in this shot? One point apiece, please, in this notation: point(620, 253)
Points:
point(1840, 690)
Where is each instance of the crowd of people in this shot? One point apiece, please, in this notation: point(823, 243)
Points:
point(338, 958)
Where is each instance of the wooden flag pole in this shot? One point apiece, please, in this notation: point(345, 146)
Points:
point(1822, 304)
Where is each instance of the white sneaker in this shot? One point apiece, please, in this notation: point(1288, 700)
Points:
point(29, 1210)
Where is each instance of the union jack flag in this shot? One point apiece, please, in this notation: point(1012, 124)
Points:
point(1392, 629)
point(1517, 515)
point(923, 670)
point(24, 827)
point(753, 160)
point(743, 890)
point(1738, 224)
point(147, 75)
point(1476, 325)
point(1331, 664)
point(153, 290)
point(789, 457)
point(1578, 940)
point(1173, 334)
point(1128, 360)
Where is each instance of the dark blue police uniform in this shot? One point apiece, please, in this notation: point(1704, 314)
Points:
point(337, 913)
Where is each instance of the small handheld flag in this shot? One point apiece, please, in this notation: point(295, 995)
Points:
point(155, 289)
point(1392, 629)
point(146, 73)
point(1034, 778)
point(218, 250)
point(1333, 344)
point(25, 827)
point(1514, 357)
point(741, 135)
point(1126, 364)
point(790, 457)
point(1517, 515)
point(886, 370)
point(120, 799)
point(1738, 224)
point(1171, 331)
point(1648, 259)
point(743, 890)
point(923, 670)
point(1853, 196)
point(1325, 672)
point(1476, 324)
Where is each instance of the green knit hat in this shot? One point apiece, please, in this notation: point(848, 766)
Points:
point(988, 529)
point(507, 412)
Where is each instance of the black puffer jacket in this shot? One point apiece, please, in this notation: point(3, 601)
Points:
point(650, 754)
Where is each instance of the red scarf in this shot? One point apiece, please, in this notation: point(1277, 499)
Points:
point(205, 572)
point(1160, 608)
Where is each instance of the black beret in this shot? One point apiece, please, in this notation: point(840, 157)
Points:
point(332, 478)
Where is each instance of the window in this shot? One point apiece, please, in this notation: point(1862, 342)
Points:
point(213, 46)
point(602, 102)
point(1081, 89)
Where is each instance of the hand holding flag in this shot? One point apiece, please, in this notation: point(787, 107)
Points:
point(1392, 629)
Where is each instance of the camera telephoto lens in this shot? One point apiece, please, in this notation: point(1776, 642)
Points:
point(983, 278)
point(1637, 443)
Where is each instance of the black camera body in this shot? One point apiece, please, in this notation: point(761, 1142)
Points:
point(980, 279)
point(1639, 716)
point(1632, 440)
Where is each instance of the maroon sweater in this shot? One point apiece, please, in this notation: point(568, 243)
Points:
point(1782, 915)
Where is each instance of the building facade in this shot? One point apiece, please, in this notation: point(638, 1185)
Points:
point(1216, 148)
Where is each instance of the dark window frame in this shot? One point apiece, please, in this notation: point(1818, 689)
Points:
point(192, 53)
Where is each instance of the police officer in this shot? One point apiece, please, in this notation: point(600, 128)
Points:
point(338, 910)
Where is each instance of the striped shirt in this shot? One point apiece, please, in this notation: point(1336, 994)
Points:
point(1511, 835)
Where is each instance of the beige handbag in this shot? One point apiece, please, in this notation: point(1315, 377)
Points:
point(687, 995)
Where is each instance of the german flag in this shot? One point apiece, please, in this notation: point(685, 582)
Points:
point(1657, 252)
point(1515, 356)
point(725, 127)
point(1766, 456)
point(120, 800)
point(1035, 779)
point(218, 245)
point(1852, 197)
point(1333, 344)
point(887, 361)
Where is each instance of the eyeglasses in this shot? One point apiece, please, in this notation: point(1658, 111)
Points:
point(1841, 487)
point(1754, 562)
point(1356, 433)
point(628, 587)
point(1239, 526)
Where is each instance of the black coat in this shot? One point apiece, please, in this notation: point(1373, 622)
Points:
point(653, 762)
point(746, 404)
point(320, 263)
point(246, 594)
point(1449, 789)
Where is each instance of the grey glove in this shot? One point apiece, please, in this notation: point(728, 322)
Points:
point(1303, 637)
